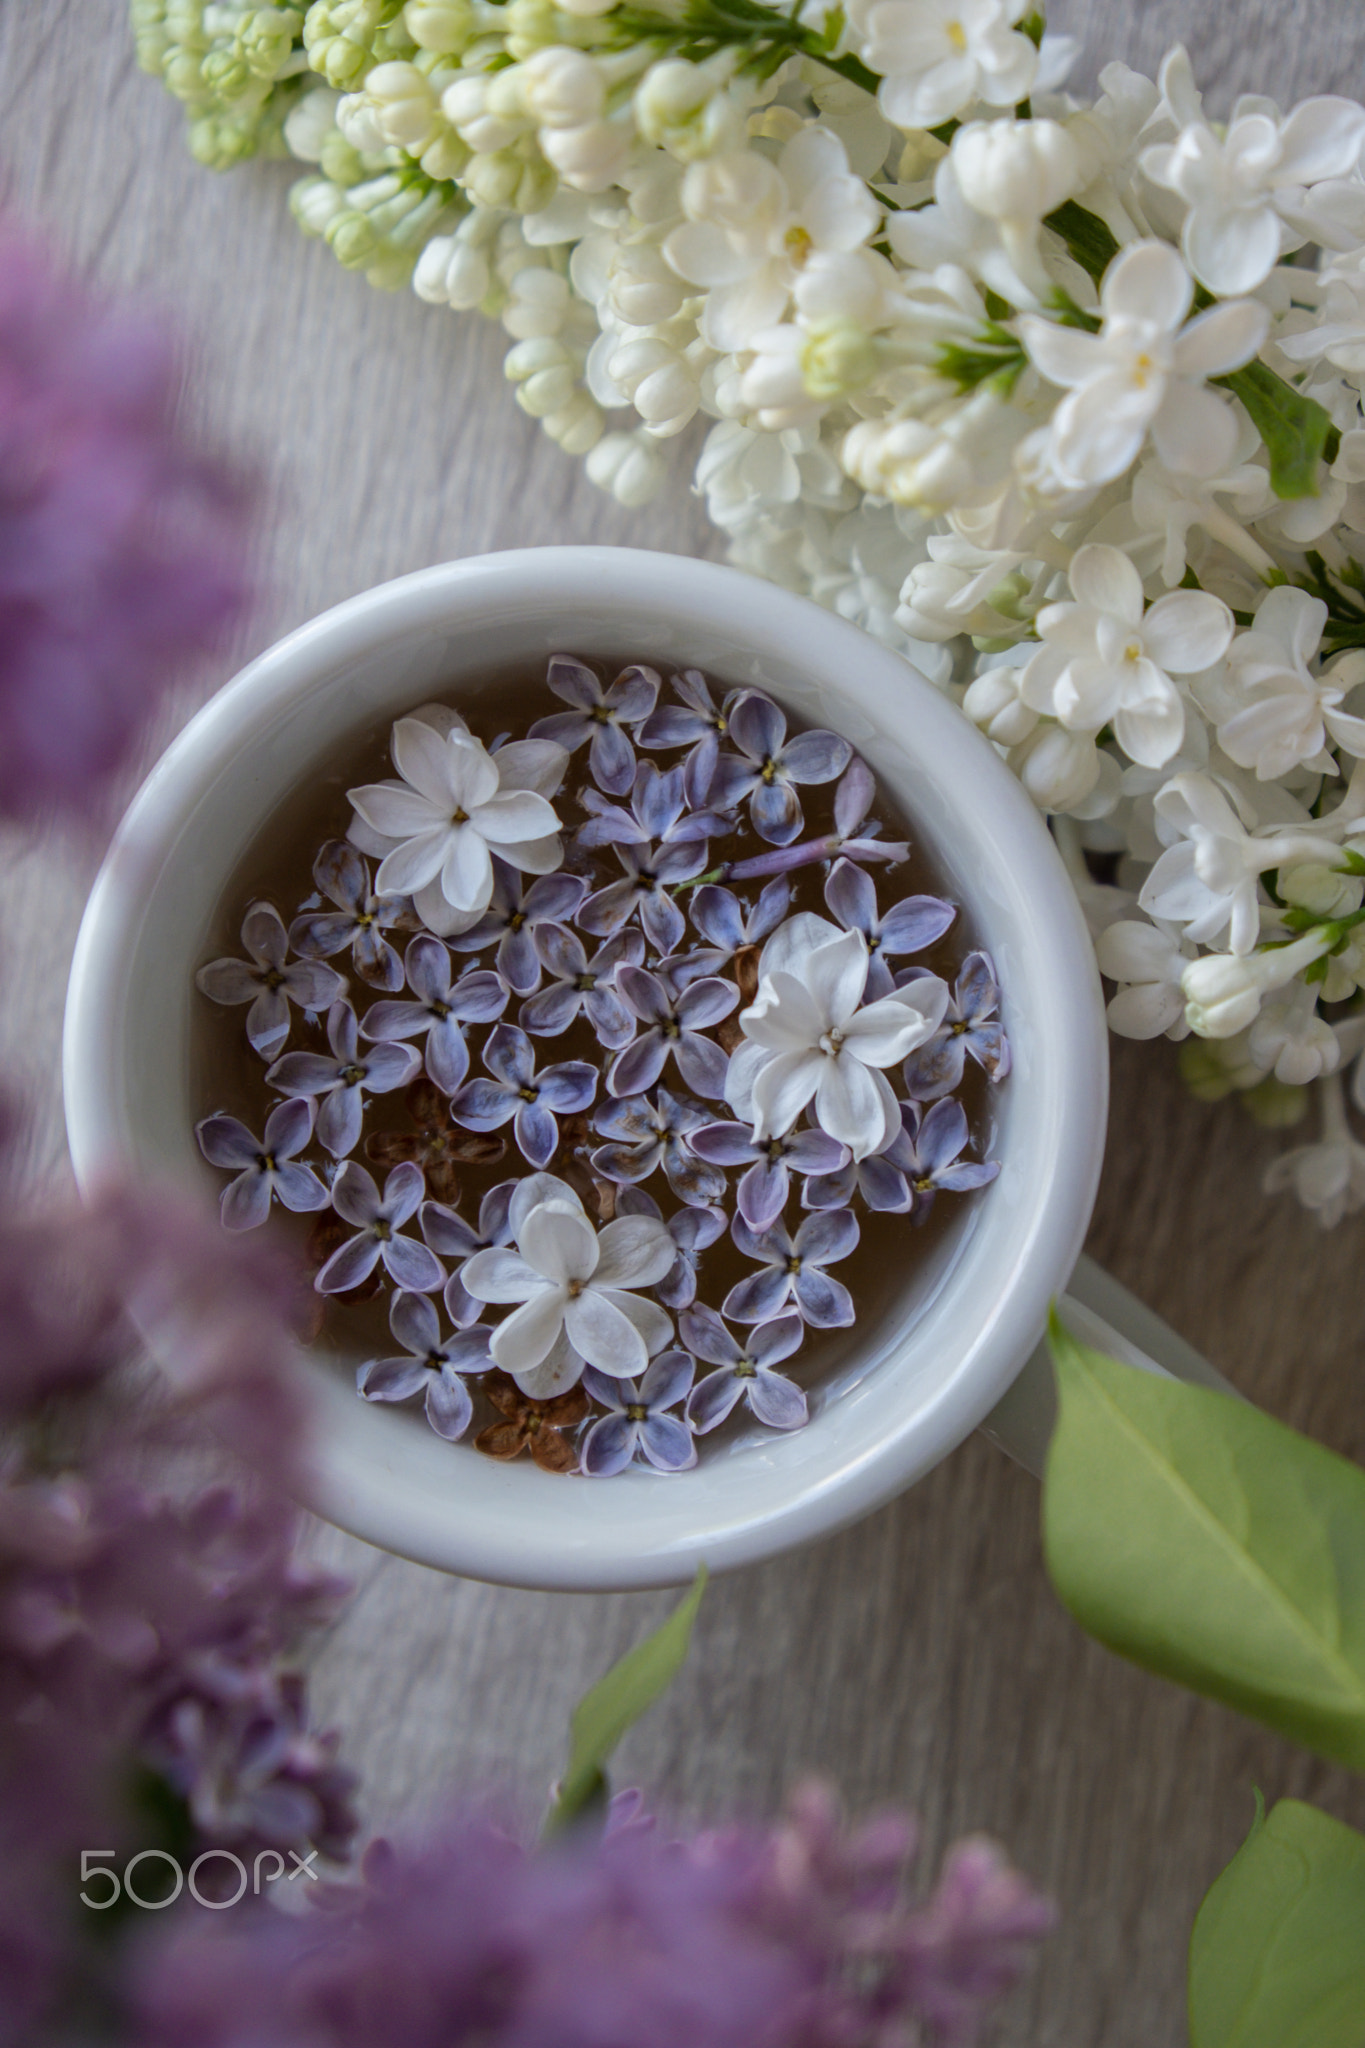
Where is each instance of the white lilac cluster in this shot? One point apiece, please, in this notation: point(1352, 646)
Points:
point(747, 1068)
point(1063, 399)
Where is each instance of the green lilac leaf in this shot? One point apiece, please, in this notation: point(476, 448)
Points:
point(615, 1704)
point(1277, 1956)
point(1086, 236)
point(1209, 1543)
point(1297, 432)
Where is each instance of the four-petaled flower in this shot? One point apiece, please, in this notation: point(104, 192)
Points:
point(513, 917)
point(441, 1010)
point(970, 1025)
point(935, 58)
point(517, 1091)
point(534, 1426)
point(266, 983)
point(746, 1372)
point(359, 921)
point(674, 1024)
point(927, 1153)
point(768, 767)
point(378, 1221)
point(636, 1421)
point(810, 1039)
point(568, 1279)
point(600, 716)
point(345, 1079)
point(456, 806)
point(436, 1142)
point(793, 1268)
point(647, 1135)
point(266, 1166)
point(648, 877)
point(698, 723)
point(446, 1231)
point(432, 1367)
point(762, 1193)
point(908, 926)
point(580, 984)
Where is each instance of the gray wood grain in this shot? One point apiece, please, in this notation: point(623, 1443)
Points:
point(920, 1657)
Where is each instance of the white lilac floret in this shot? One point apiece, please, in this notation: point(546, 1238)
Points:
point(767, 767)
point(697, 723)
point(600, 717)
point(908, 926)
point(378, 1222)
point(793, 1269)
point(569, 1280)
point(442, 1009)
point(770, 1162)
point(344, 1080)
point(267, 1168)
point(674, 1023)
point(455, 807)
point(693, 1232)
point(514, 917)
point(636, 1422)
point(646, 1135)
point(360, 920)
point(434, 1367)
point(746, 1370)
point(582, 986)
point(970, 1026)
point(810, 1039)
point(266, 982)
point(513, 1092)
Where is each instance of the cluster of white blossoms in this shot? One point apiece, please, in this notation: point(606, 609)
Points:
point(1061, 399)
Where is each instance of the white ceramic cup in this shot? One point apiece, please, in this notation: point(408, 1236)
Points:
point(970, 1313)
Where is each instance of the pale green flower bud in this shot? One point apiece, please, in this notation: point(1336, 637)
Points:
point(1213, 1069)
point(226, 73)
point(341, 161)
point(1325, 891)
point(218, 141)
point(445, 26)
point(508, 178)
point(545, 375)
point(151, 37)
point(267, 41)
point(183, 75)
point(311, 124)
point(628, 466)
point(352, 238)
point(344, 38)
point(577, 426)
point(314, 203)
point(1274, 1105)
point(532, 25)
point(837, 358)
point(1224, 991)
point(687, 108)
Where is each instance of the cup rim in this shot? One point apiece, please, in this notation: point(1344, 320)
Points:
point(365, 1484)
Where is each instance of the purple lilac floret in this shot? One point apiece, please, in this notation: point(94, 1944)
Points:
point(767, 767)
point(599, 716)
point(970, 1025)
point(908, 926)
point(658, 811)
point(646, 1135)
point(877, 1181)
point(745, 1371)
point(518, 1095)
point(696, 722)
point(442, 1009)
point(927, 1153)
point(266, 982)
point(793, 1269)
point(267, 1168)
point(727, 926)
point(359, 921)
point(636, 1424)
point(580, 986)
point(344, 1080)
point(514, 918)
point(446, 1231)
point(378, 1222)
point(649, 876)
point(852, 837)
point(763, 1191)
point(674, 1024)
point(432, 1367)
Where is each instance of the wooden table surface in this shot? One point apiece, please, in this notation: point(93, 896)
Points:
point(921, 1657)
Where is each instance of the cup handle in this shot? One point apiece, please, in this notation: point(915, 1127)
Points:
point(1101, 1313)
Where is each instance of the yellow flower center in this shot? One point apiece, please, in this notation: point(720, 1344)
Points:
point(957, 36)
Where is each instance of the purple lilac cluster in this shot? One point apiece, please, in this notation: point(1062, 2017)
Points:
point(648, 944)
point(804, 1934)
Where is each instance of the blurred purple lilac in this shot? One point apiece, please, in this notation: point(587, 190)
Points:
point(762, 1193)
point(693, 1231)
point(727, 926)
point(910, 924)
point(346, 1078)
point(600, 716)
point(794, 1268)
point(267, 1167)
point(926, 1152)
point(579, 984)
point(442, 1010)
point(513, 918)
point(852, 801)
point(697, 723)
point(673, 1026)
point(452, 1238)
point(646, 1135)
point(970, 1025)
point(636, 1423)
point(432, 1368)
point(768, 767)
point(378, 1221)
point(359, 921)
point(517, 1091)
point(266, 982)
point(658, 811)
point(745, 1372)
point(122, 550)
point(648, 877)
point(969, 1943)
